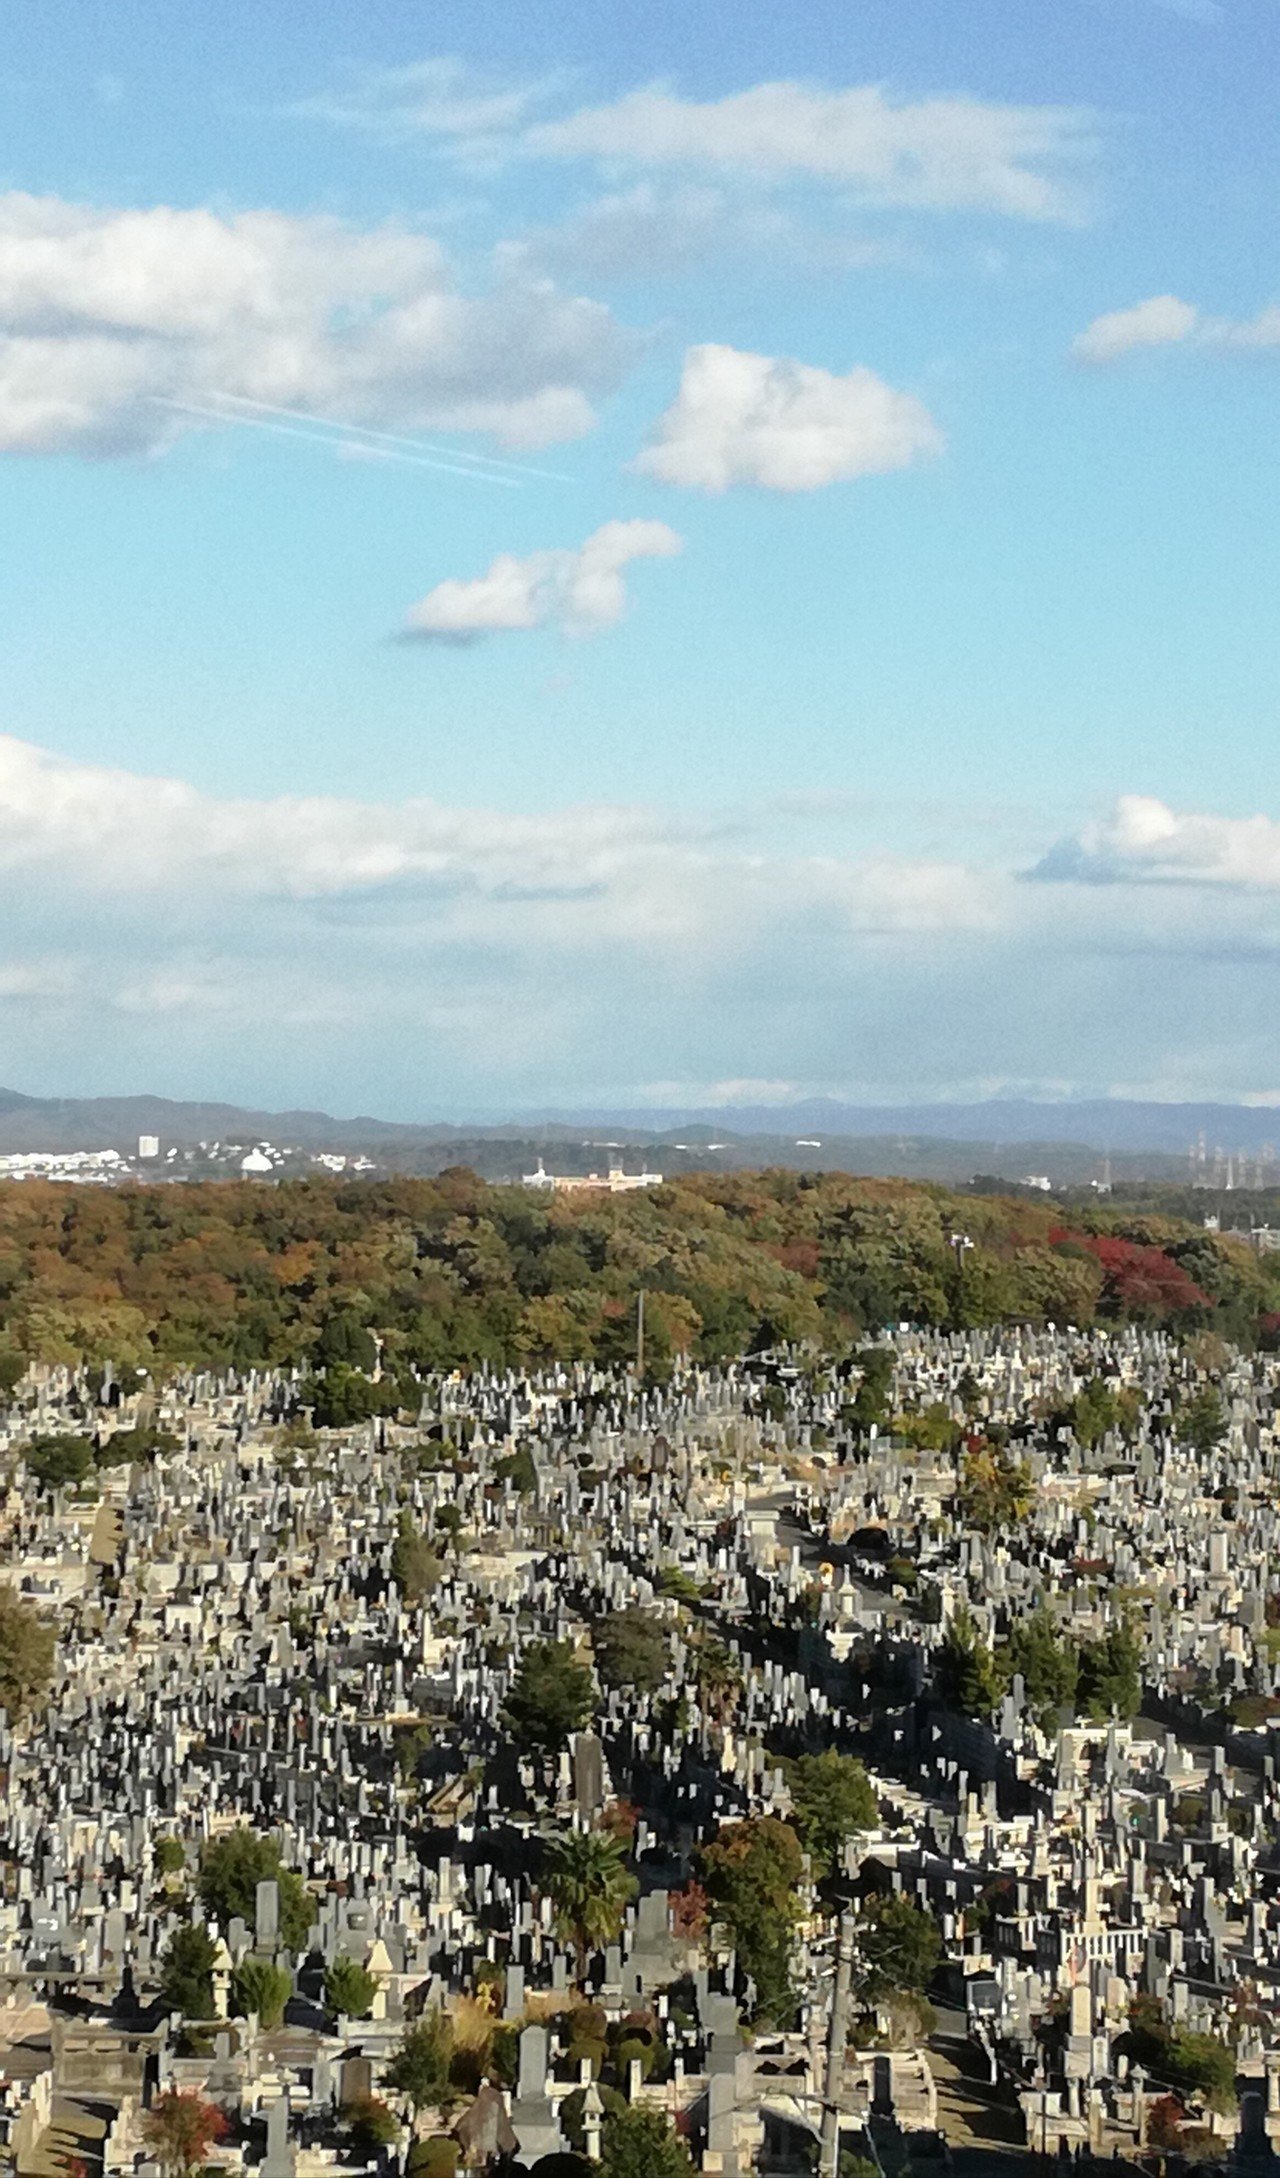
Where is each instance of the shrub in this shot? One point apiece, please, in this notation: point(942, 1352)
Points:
point(258, 1986)
point(371, 2123)
point(349, 1989)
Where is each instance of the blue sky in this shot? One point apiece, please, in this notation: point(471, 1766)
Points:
point(691, 553)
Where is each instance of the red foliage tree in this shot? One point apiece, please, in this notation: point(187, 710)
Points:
point(182, 2129)
point(1140, 1280)
point(689, 1912)
point(1164, 2122)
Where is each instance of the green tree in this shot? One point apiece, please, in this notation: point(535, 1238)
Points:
point(418, 2067)
point(1202, 1423)
point(140, 1447)
point(1111, 1673)
point(258, 1986)
point(630, 1650)
point(932, 1429)
point(870, 1403)
point(717, 1675)
point(170, 1856)
point(519, 1470)
point(1049, 1664)
point(27, 1644)
point(58, 1460)
point(967, 1676)
point(186, 1971)
point(1094, 1411)
point(349, 1989)
point(751, 1872)
point(410, 1743)
point(553, 1697)
point(639, 2143)
point(232, 1867)
point(415, 1568)
point(995, 1489)
point(1201, 2064)
point(831, 1799)
point(590, 1886)
point(344, 1339)
point(970, 1394)
point(898, 1946)
point(342, 1397)
point(449, 1524)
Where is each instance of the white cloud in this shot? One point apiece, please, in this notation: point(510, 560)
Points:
point(578, 591)
point(591, 870)
point(1143, 841)
point(107, 317)
point(1165, 321)
point(937, 154)
point(1260, 332)
point(411, 956)
point(437, 97)
point(758, 419)
point(28, 979)
point(651, 230)
point(1155, 323)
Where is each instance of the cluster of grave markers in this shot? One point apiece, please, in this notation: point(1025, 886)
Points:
point(233, 1649)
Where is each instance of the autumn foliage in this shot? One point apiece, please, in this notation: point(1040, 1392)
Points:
point(1143, 1282)
point(431, 1274)
point(181, 2129)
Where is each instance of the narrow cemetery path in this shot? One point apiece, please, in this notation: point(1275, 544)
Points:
point(971, 2112)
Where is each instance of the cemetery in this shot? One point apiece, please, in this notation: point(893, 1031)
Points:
point(784, 1766)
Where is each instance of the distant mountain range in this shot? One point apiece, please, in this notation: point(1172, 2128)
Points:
point(1103, 1124)
point(1009, 1137)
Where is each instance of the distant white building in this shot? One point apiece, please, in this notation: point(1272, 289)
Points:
point(148, 1145)
point(86, 1165)
point(613, 1182)
point(256, 1163)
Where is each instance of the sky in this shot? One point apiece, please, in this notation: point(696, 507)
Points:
point(663, 555)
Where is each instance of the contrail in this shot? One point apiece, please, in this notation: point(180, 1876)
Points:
point(394, 438)
point(319, 438)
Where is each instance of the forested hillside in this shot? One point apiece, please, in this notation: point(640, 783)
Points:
point(450, 1271)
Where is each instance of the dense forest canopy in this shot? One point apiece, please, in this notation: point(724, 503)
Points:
point(327, 1274)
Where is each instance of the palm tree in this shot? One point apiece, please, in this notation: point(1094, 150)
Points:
point(589, 1884)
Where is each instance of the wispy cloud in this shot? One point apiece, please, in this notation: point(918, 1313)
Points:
point(440, 97)
point(1165, 321)
point(936, 154)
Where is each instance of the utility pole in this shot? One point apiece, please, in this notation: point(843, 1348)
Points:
point(640, 1335)
point(837, 2041)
